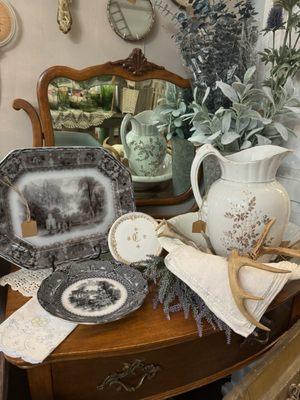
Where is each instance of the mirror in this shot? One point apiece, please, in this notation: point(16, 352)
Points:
point(91, 112)
point(131, 19)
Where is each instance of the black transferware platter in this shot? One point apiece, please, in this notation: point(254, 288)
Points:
point(74, 194)
point(93, 292)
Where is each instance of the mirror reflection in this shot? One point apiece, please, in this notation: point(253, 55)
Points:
point(140, 123)
point(131, 19)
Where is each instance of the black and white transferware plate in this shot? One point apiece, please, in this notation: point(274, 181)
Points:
point(93, 292)
point(74, 194)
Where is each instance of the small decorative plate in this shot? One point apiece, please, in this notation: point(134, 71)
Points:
point(93, 292)
point(74, 194)
point(132, 238)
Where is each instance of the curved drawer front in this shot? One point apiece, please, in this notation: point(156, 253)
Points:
point(160, 373)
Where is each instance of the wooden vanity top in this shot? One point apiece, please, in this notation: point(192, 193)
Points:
point(144, 330)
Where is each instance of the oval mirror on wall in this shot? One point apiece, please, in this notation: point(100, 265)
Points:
point(131, 19)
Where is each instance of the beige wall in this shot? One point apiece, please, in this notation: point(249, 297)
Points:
point(39, 44)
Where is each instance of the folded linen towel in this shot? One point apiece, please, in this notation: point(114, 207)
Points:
point(207, 275)
point(31, 333)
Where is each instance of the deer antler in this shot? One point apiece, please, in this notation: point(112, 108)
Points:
point(236, 262)
point(170, 231)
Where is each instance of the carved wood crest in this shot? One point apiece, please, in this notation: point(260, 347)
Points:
point(137, 64)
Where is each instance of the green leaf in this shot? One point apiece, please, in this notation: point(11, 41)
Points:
point(254, 131)
point(269, 94)
point(249, 74)
point(295, 110)
point(281, 129)
point(226, 121)
point(229, 137)
point(261, 140)
point(177, 122)
point(206, 95)
point(228, 91)
point(246, 144)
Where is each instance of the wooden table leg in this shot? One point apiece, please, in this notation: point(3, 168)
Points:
point(40, 382)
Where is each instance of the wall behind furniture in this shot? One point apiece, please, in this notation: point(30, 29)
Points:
point(39, 45)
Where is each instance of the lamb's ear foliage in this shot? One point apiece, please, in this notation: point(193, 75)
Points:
point(255, 117)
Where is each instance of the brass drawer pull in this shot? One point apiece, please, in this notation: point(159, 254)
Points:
point(132, 369)
point(294, 392)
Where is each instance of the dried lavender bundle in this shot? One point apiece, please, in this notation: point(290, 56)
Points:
point(175, 296)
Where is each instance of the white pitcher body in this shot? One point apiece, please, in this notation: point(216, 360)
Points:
point(247, 196)
point(145, 147)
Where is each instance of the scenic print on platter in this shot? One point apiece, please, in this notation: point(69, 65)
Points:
point(65, 204)
point(94, 297)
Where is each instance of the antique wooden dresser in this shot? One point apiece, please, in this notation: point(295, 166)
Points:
point(146, 356)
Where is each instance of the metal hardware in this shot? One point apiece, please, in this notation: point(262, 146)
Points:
point(136, 368)
point(294, 392)
point(259, 336)
point(64, 16)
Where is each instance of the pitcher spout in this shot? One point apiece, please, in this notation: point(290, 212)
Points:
point(257, 164)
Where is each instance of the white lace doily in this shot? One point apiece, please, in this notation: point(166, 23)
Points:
point(31, 333)
point(25, 281)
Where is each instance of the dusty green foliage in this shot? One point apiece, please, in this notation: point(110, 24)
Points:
point(256, 116)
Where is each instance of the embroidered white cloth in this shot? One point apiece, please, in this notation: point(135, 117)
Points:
point(25, 281)
point(207, 275)
point(31, 333)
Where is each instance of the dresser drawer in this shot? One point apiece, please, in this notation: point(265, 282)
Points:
point(157, 373)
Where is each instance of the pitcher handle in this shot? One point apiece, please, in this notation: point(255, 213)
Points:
point(126, 120)
point(202, 153)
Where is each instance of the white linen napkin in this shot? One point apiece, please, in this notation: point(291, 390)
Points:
point(207, 275)
point(31, 333)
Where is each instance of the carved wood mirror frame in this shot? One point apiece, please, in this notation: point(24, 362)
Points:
point(136, 68)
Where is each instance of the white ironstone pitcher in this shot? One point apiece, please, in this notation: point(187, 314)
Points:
point(145, 147)
point(244, 199)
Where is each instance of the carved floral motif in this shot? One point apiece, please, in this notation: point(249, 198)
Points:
point(137, 64)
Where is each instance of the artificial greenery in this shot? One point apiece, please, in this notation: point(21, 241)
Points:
point(175, 296)
point(216, 42)
point(254, 118)
point(284, 61)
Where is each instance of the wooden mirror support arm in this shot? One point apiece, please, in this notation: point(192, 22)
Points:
point(21, 104)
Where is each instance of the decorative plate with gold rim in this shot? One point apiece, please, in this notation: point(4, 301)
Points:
point(132, 238)
point(8, 23)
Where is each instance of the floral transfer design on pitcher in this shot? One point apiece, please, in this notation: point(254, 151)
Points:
point(149, 155)
point(247, 224)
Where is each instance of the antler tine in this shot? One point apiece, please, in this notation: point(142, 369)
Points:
point(281, 251)
point(261, 241)
point(235, 263)
point(171, 232)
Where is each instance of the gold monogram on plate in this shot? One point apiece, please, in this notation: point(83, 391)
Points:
point(136, 237)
